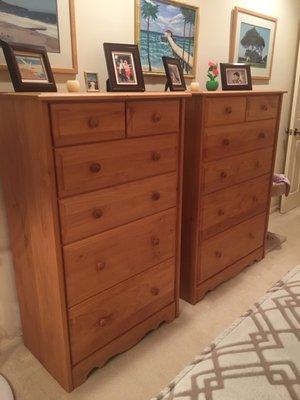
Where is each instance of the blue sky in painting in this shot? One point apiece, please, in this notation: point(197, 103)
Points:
point(35, 5)
point(169, 17)
point(264, 32)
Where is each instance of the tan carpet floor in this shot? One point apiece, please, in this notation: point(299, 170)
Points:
point(144, 370)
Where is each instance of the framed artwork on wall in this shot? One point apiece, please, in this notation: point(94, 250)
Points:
point(236, 76)
point(166, 28)
point(43, 23)
point(252, 41)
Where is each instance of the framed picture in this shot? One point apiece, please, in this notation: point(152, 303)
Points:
point(236, 77)
point(42, 23)
point(124, 67)
point(252, 41)
point(29, 68)
point(174, 73)
point(91, 81)
point(166, 28)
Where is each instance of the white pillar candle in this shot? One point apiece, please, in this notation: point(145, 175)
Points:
point(73, 86)
point(195, 87)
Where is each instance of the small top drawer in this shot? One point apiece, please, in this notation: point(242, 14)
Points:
point(262, 107)
point(225, 110)
point(87, 122)
point(89, 167)
point(152, 117)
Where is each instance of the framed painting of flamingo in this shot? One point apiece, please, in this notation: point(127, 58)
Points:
point(166, 28)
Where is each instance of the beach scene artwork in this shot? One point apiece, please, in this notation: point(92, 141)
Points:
point(254, 45)
point(30, 22)
point(166, 28)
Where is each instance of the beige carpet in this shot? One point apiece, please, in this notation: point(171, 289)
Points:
point(142, 372)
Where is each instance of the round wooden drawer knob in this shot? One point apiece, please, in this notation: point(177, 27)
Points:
point(264, 107)
point(221, 212)
point(254, 199)
point(93, 122)
point(155, 196)
point(101, 265)
point(223, 174)
point(251, 236)
point(257, 164)
point(218, 254)
point(95, 168)
point(156, 156)
point(97, 214)
point(103, 322)
point(228, 110)
point(262, 135)
point(155, 241)
point(226, 142)
point(156, 117)
point(155, 291)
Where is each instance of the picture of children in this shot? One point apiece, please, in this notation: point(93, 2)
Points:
point(124, 68)
point(236, 76)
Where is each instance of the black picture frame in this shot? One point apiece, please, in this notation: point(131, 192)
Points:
point(12, 51)
point(176, 66)
point(240, 84)
point(124, 58)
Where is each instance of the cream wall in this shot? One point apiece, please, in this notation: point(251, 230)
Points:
point(113, 21)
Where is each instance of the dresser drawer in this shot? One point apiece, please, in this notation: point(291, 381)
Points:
point(262, 107)
point(87, 214)
point(106, 316)
point(100, 262)
point(225, 110)
point(90, 167)
point(87, 122)
point(228, 247)
point(152, 117)
point(225, 141)
point(228, 207)
point(232, 170)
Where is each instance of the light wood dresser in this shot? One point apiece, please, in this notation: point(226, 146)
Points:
point(230, 148)
point(92, 186)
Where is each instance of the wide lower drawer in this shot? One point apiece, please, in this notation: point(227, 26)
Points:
point(90, 167)
point(91, 213)
point(232, 170)
point(227, 247)
point(97, 321)
point(229, 140)
point(87, 122)
point(100, 262)
point(230, 206)
point(152, 117)
point(262, 107)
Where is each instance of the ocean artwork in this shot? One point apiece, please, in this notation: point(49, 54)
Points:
point(30, 22)
point(254, 45)
point(166, 28)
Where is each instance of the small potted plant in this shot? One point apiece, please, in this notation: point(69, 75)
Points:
point(212, 74)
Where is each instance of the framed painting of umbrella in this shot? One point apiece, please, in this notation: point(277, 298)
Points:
point(253, 41)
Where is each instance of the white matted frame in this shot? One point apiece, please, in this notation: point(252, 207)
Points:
point(64, 62)
point(241, 15)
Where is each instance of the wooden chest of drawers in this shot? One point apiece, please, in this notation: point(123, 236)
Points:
point(230, 147)
point(92, 186)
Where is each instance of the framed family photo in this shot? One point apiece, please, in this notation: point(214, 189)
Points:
point(43, 23)
point(236, 76)
point(174, 73)
point(124, 67)
point(253, 41)
point(92, 81)
point(29, 68)
point(166, 28)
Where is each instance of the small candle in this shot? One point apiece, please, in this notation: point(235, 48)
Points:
point(195, 87)
point(73, 86)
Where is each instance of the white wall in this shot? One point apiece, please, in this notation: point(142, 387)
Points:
point(113, 21)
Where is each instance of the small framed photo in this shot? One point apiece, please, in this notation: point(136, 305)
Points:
point(174, 73)
point(29, 67)
point(92, 81)
point(124, 67)
point(236, 77)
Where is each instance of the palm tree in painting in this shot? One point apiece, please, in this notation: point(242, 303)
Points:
point(149, 12)
point(191, 22)
point(185, 21)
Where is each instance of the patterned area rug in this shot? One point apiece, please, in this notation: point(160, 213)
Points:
point(257, 358)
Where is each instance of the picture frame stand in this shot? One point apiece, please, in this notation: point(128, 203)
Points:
point(167, 86)
point(108, 86)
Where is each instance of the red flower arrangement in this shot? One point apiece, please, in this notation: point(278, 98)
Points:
point(213, 70)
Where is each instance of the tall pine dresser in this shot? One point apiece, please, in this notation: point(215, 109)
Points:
point(230, 148)
point(92, 186)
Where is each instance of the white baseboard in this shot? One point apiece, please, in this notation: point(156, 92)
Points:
point(6, 344)
point(274, 208)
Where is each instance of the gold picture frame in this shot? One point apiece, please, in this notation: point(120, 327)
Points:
point(138, 24)
point(71, 54)
point(266, 27)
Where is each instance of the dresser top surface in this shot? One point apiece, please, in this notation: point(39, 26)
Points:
point(228, 93)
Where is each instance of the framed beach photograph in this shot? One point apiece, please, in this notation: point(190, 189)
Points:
point(124, 67)
point(252, 41)
point(174, 73)
point(29, 68)
point(236, 76)
point(166, 28)
point(43, 23)
point(91, 81)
